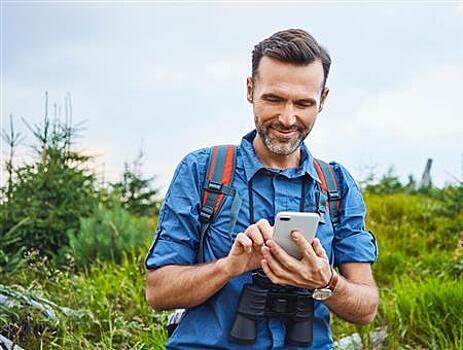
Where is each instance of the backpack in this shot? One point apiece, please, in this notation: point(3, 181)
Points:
point(217, 185)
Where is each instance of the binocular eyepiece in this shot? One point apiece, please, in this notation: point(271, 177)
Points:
point(263, 299)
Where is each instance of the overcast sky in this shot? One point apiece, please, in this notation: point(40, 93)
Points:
point(173, 77)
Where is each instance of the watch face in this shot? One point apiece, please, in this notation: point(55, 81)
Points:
point(322, 294)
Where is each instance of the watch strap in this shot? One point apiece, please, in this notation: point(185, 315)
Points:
point(332, 283)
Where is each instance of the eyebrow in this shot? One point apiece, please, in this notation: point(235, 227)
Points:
point(307, 100)
point(302, 100)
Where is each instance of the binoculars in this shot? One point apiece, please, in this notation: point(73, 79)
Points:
point(263, 299)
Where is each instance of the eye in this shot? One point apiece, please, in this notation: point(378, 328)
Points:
point(273, 99)
point(304, 104)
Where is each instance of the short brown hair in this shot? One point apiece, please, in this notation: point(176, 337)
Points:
point(294, 46)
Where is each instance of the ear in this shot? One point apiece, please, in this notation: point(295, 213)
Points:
point(323, 97)
point(249, 89)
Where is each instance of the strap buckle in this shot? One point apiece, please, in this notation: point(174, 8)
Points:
point(333, 196)
point(214, 187)
point(205, 214)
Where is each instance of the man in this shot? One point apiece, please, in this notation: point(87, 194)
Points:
point(287, 90)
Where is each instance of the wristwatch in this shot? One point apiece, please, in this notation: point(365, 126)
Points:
point(327, 291)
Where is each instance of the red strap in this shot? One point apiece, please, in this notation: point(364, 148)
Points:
point(211, 171)
point(321, 175)
point(227, 173)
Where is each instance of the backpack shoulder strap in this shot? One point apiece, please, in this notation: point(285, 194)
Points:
point(330, 189)
point(217, 185)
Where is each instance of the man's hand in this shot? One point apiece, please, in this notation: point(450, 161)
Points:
point(312, 271)
point(246, 252)
point(355, 298)
point(183, 286)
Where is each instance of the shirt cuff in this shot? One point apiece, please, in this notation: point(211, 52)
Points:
point(357, 247)
point(166, 252)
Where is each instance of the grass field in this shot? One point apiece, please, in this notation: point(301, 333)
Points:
point(419, 273)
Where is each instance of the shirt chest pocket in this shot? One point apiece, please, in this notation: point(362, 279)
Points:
point(217, 243)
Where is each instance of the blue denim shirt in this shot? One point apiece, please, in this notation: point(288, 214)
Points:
point(207, 326)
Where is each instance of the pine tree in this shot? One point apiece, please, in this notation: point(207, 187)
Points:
point(136, 191)
point(47, 197)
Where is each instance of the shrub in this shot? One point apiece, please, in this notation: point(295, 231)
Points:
point(12, 259)
point(108, 234)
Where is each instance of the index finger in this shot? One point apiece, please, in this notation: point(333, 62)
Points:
point(254, 233)
point(265, 229)
point(304, 246)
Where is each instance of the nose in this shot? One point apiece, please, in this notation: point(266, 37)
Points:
point(287, 117)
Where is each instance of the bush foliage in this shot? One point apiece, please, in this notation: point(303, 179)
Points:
point(108, 234)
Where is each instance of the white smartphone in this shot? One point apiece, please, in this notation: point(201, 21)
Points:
point(286, 222)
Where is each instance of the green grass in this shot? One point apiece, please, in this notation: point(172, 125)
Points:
point(424, 313)
point(117, 315)
point(419, 274)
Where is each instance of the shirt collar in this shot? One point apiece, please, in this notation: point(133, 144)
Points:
point(252, 163)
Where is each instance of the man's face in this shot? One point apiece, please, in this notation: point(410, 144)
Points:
point(286, 101)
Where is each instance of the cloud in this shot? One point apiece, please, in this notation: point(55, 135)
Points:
point(424, 108)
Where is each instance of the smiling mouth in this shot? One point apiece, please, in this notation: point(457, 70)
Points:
point(285, 134)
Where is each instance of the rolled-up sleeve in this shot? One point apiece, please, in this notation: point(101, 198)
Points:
point(176, 238)
point(352, 242)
